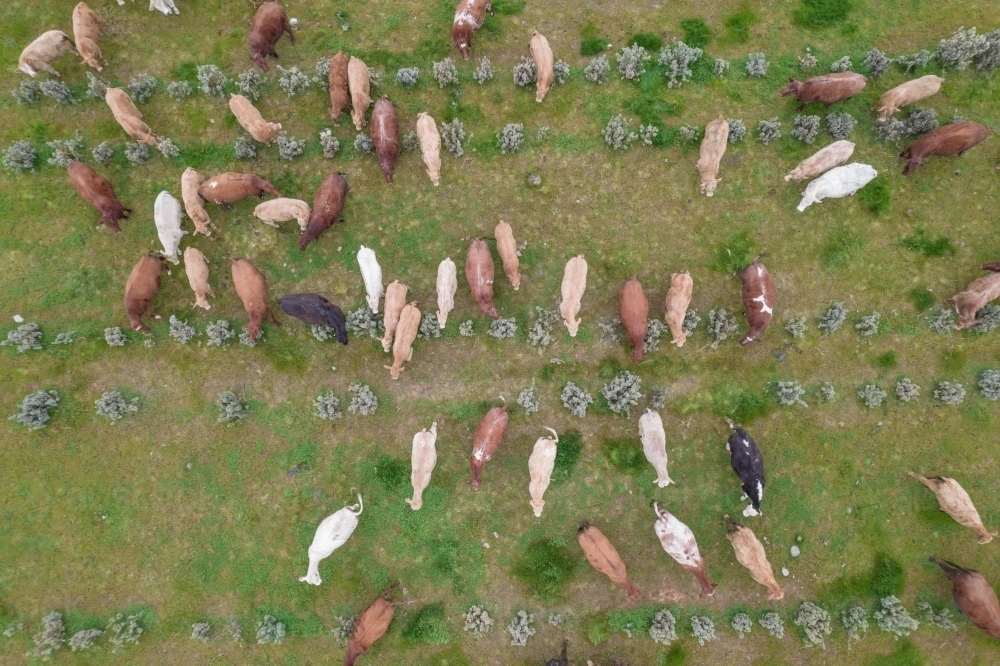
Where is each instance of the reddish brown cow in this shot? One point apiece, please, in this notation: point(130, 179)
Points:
point(141, 288)
point(953, 139)
point(327, 206)
point(469, 17)
point(486, 440)
point(974, 596)
point(268, 24)
point(758, 299)
point(97, 191)
point(479, 272)
point(230, 187)
point(251, 287)
point(826, 88)
point(371, 626)
point(340, 96)
point(385, 135)
point(633, 310)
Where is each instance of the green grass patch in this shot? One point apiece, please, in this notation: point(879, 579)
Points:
point(546, 566)
point(508, 7)
point(591, 43)
point(637, 620)
point(734, 253)
point(696, 32)
point(876, 196)
point(738, 25)
point(568, 452)
point(887, 360)
point(675, 656)
point(953, 360)
point(739, 404)
point(647, 40)
point(596, 628)
point(921, 297)
point(821, 13)
point(625, 454)
point(906, 654)
point(842, 245)
point(428, 626)
point(923, 244)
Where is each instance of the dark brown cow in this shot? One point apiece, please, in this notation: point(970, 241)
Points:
point(141, 288)
point(230, 187)
point(974, 596)
point(385, 135)
point(469, 17)
point(251, 287)
point(486, 440)
point(826, 88)
point(327, 206)
point(953, 139)
point(633, 310)
point(759, 295)
point(268, 24)
point(340, 95)
point(97, 191)
point(479, 272)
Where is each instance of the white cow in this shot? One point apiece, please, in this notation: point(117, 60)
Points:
point(167, 216)
point(423, 458)
point(447, 285)
point(540, 465)
point(654, 445)
point(165, 6)
point(371, 273)
point(839, 182)
point(331, 534)
point(822, 161)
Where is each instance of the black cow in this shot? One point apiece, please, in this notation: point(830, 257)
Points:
point(562, 660)
point(314, 309)
point(748, 463)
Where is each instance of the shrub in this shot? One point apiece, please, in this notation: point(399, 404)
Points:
point(374, 78)
point(289, 147)
point(658, 398)
point(137, 153)
point(617, 135)
point(721, 325)
point(231, 410)
point(567, 455)
point(915, 61)
point(989, 58)
point(876, 195)
point(50, 638)
point(576, 400)
point(720, 67)
point(648, 134)
point(96, 88)
point(950, 393)
point(57, 90)
point(509, 140)
point(742, 624)
point(840, 125)
point(868, 325)
point(773, 624)
point(249, 82)
point(906, 390)
point(292, 80)
point(808, 61)
point(790, 393)
point(270, 631)
point(737, 130)
point(64, 338)
point(219, 333)
point(477, 620)
point(445, 72)
point(796, 327)
point(528, 399)
point(452, 136)
point(467, 328)
point(26, 337)
point(124, 630)
point(677, 58)
point(484, 71)
point(34, 413)
point(103, 153)
point(842, 65)
point(703, 628)
point(407, 76)
point(872, 396)
point(364, 144)
point(696, 32)
point(546, 566)
point(322, 78)
point(958, 51)
point(410, 142)
point(827, 391)
point(988, 319)
point(363, 322)
point(769, 130)
point(622, 392)
point(20, 156)
point(556, 620)
point(181, 331)
point(142, 87)
point(329, 143)
point(815, 622)
point(989, 384)
point(835, 316)
point(364, 401)
point(113, 405)
point(894, 619)
point(630, 61)
point(245, 148)
point(246, 340)
point(654, 329)
point(804, 128)
point(691, 321)
point(920, 121)
point(738, 24)
point(85, 639)
point(664, 628)
point(561, 71)
point(521, 629)
point(610, 329)
point(178, 90)
point(757, 65)
point(65, 151)
point(892, 129)
point(427, 625)
point(429, 327)
point(168, 149)
point(345, 627)
point(944, 322)
point(502, 328)
point(212, 80)
point(877, 63)
point(201, 631)
point(114, 337)
point(29, 92)
point(540, 335)
point(941, 619)
point(524, 72)
point(688, 133)
point(821, 13)
point(855, 621)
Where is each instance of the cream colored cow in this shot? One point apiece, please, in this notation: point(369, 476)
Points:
point(196, 267)
point(713, 147)
point(194, 206)
point(423, 458)
point(678, 300)
point(540, 465)
point(574, 283)
point(507, 248)
point(395, 301)
point(447, 285)
point(252, 120)
point(430, 146)
point(541, 53)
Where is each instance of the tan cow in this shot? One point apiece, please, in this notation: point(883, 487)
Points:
point(141, 288)
point(750, 553)
point(191, 180)
point(423, 458)
point(283, 209)
point(251, 287)
point(574, 283)
point(907, 93)
point(395, 301)
point(406, 333)
point(541, 53)
point(604, 557)
point(430, 146)
point(360, 86)
point(975, 297)
point(251, 119)
point(447, 285)
point(713, 147)
point(507, 248)
point(822, 161)
point(540, 465)
point(41, 53)
point(678, 300)
point(196, 267)
point(954, 501)
point(129, 117)
point(87, 28)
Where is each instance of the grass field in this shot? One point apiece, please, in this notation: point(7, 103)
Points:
point(175, 516)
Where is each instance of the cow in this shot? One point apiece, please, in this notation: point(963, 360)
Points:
point(167, 216)
point(251, 287)
point(129, 117)
point(541, 53)
point(196, 267)
point(406, 333)
point(479, 271)
point(340, 92)
point(251, 120)
point(759, 295)
point(315, 310)
point(97, 191)
point(633, 310)
point(974, 596)
point(371, 274)
point(328, 204)
point(679, 543)
point(423, 458)
point(191, 180)
point(954, 501)
point(332, 533)
point(360, 87)
point(141, 288)
point(469, 17)
point(825, 88)
point(907, 93)
point(447, 286)
point(281, 210)
point(713, 147)
point(370, 626)
point(87, 28)
point(563, 659)
point(164, 6)
point(268, 24)
point(678, 300)
point(822, 161)
point(654, 445)
point(430, 146)
point(574, 283)
point(230, 187)
point(838, 182)
point(541, 462)
point(486, 440)
point(41, 53)
point(603, 556)
point(975, 297)
point(385, 135)
point(507, 248)
point(945, 141)
point(395, 301)
point(748, 463)
point(750, 553)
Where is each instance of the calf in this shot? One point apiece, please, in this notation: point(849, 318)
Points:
point(825, 88)
point(191, 180)
point(328, 204)
point(678, 300)
point(822, 161)
point(633, 310)
point(954, 501)
point(87, 27)
point(907, 93)
point(97, 191)
point(406, 333)
point(974, 596)
point(469, 17)
point(340, 95)
point(654, 445)
point(230, 187)
point(759, 295)
point(370, 626)
point(316, 310)
point(430, 146)
point(252, 121)
point(540, 465)
point(423, 458)
point(842, 181)
point(541, 53)
point(141, 288)
point(269, 23)
point(41, 53)
point(163, 6)
point(129, 117)
point(281, 210)
point(507, 248)
point(713, 147)
point(603, 556)
point(479, 271)
point(447, 285)
point(359, 84)
point(371, 274)
point(486, 440)
point(251, 287)
point(574, 283)
point(679, 543)
point(750, 553)
point(332, 533)
point(167, 216)
point(748, 463)
point(385, 136)
point(945, 141)
point(196, 267)
point(975, 297)
point(395, 301)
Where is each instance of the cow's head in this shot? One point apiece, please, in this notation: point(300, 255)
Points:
point(792, 88)
point(258, 58)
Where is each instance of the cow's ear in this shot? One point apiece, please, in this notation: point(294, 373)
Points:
point(791, 79)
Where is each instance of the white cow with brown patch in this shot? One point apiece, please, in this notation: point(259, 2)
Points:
point(251, 119)
point(679, 543)
point(423, 458)
point(678, 300)
point(713, 147)
point(654, 445)
point(540, 465)
point(822, 161)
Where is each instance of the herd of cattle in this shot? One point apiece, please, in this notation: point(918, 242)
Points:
point(350, 88)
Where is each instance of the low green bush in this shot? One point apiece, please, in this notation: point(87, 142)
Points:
point(821, 13)
point(696, 32)
point(546, 566)
point(647, 40)
point(922, 243)
point(567, 455)
point(625, 454)
point(427, 625)
point(921, 297)
point(738, 25)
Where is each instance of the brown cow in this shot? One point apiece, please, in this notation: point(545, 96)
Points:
point(251, 287)
point(97, 191)
point(469, 17)
point(268, 24)
point(141, 288)
point(327, 206)
point(974, 596)
point(953, 139)
point(758, 299)
point(826, 88)
point(479, 271)
point(603, 556)
point(385, 134)
point(633, 310)
point(371, 625)
point(975, 297)
point(486, 440)
point(340, 96)
point(230, 187)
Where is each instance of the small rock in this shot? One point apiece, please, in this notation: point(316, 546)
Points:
point(795, 551)
point(188, 466)
point(294, 22)
point(799, 538)
point(18, 319)
point(534, 179)
point(784, 571)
